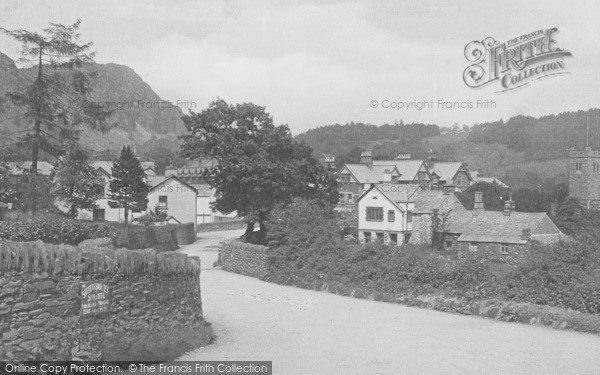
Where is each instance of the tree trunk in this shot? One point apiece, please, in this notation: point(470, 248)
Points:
point(249, 231)
point(73, 211)
point(35, 148)
point(262, 231)
point(126, 215)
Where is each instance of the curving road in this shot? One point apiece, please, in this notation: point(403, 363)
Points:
point(308, 332)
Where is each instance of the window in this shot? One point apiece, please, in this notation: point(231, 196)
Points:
point(409, 216)
point(394, 238)
point(349, 198)
point(407, 237)
point(162, 201)
point(504, 248)
point(345, 178)
point(98, 214)
point(367, 236)
point(448, 244)
point(422, 176)
point(374, 213)
point(578, 166)
point(472, 246)
point(380, 237)
point(391, 216)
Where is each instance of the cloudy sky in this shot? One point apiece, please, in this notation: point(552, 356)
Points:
point(316, 62)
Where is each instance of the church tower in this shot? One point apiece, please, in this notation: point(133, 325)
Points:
point(584, 175)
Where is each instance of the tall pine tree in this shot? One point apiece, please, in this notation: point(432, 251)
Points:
point(128, 189)
point(53, 106)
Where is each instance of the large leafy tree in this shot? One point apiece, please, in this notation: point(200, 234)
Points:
point(128, 189)
point(259, 164)
point(53, 106)
point(76, 182)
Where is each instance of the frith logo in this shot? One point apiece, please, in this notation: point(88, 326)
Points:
point(516, 62)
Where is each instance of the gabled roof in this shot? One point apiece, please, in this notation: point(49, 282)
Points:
point(172, 177)
point(408, 168)
point(495, 226)
point(447, 170)
point(364, 174)
point(104, 165)
point(425, 200)
point(148, 165)
point(204, 190)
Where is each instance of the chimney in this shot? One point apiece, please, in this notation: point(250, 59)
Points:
point(366, 158)
point(329, 161)
point(387, 175)
point(478, 205)
point(509, 207)
point(402, 156)
point(170, 171)
point(525, 234)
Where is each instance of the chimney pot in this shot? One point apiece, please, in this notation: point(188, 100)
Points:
point(478, 204)
point(509, 207)
point(366, 158)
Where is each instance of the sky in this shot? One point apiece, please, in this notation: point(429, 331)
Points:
point(314, 63)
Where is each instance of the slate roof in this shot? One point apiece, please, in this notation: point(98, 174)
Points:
point(204, 190)
point(488, 180)
point(103, 164)
point(172, 177)
point(446, 170)
point(408, 168)
point(148, 164)
point(425, 200)
point(365, 174)
point(495, 226)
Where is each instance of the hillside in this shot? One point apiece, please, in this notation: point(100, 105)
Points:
point(340, 140)
point(545, 138)
point(139, 116)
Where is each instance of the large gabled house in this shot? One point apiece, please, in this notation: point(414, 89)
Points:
point(401, 213)
point(355, 179)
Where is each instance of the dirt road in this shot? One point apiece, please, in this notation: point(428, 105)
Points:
point(308, 332)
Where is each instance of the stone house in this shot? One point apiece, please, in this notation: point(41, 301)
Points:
point(504, 236)
point(401, 213)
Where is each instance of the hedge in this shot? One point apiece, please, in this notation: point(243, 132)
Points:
point(58, 229)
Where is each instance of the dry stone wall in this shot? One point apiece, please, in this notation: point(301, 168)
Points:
point(59, 302)
point(244, 258)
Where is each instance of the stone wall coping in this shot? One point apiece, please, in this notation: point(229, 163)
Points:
point(38, 257)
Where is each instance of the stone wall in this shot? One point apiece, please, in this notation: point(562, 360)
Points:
point(45, 310)
point(244, 258)
point(221, 225)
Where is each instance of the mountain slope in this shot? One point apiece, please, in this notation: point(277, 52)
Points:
point(141, 115)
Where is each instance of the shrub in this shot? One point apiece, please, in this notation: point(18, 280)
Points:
point(306, 249)
point(52, 228)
